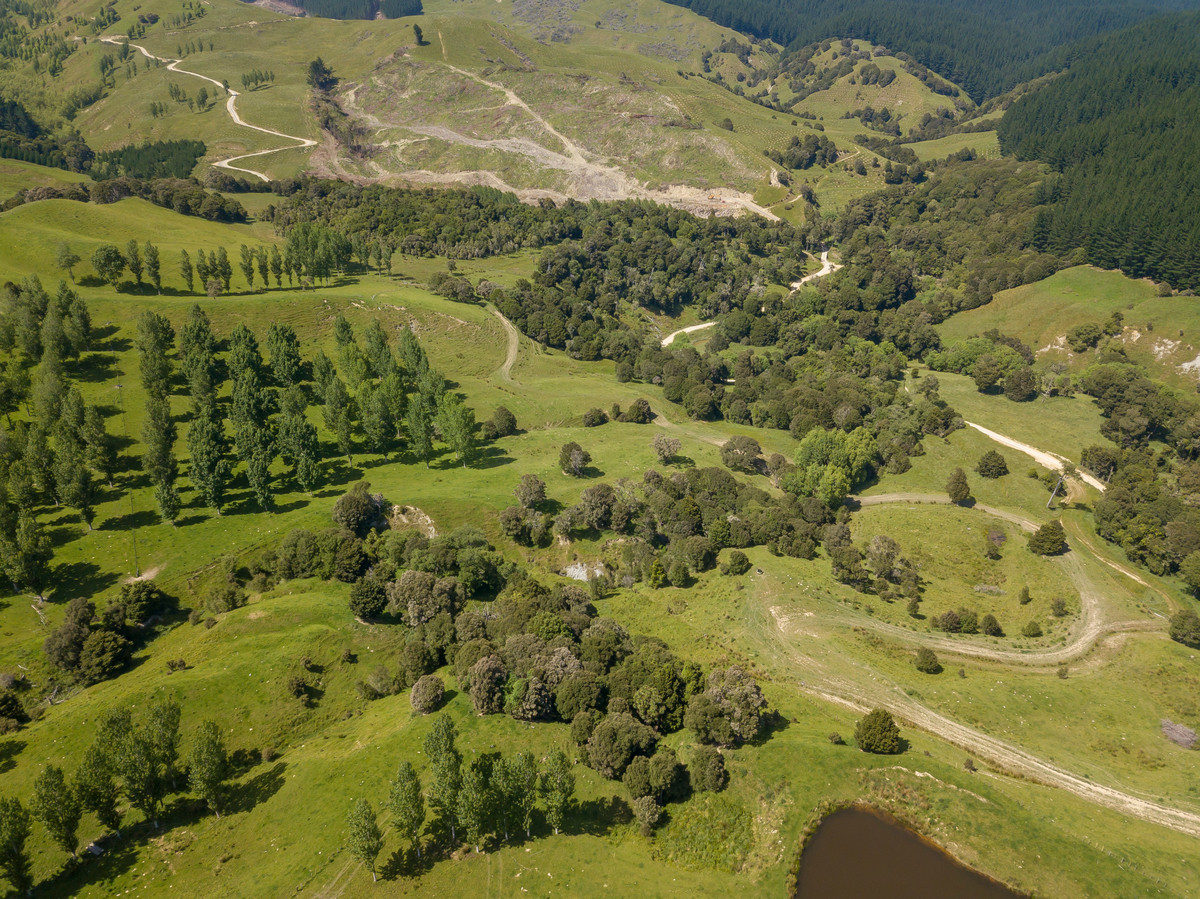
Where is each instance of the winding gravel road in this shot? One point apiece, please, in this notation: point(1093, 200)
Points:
point(231, 108)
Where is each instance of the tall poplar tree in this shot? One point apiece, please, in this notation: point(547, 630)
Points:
point(407, 804)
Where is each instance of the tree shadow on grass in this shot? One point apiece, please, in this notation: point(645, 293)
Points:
point(9, 750)
point(599, 816)
point(95, 368)
point(772, 723)
point(73, 579)
point(338, 472)
point(405, 862)
point(492, 457)
point(257, 790)
point(130, 521)
point(118, 858)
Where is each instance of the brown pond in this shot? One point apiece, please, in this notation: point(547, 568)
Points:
point(857, 853)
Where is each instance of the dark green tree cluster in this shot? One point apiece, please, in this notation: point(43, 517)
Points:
point(805, 152)
point(1119, 127)
point(91, 647)
point(987, 48)
point(149, 160)
point(489, 800)
point(186, 197)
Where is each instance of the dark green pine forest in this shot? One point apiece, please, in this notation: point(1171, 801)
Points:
point(1122, 126)
point(987, 46)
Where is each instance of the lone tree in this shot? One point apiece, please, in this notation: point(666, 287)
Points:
point(531, 491)
point(926, 661)
point(741, 454)
point(957, 487)
point(320, 76)
point(364, 840)
point(666, 448)
point(991, 465)
point(876, 732)
point(1048, 540)
point(573, 459)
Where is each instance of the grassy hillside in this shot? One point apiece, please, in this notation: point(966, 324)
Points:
point(788, 621)
point(1158, 332)
point(609, 101)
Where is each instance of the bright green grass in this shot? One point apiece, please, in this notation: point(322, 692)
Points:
point(731, 620)
point(1121, 697)
point(1162, 333)
point(1062, 425)
point(984, 144)
point(1015, 492)
point(30, 234)
point(16, 175)
point(290, 840)
point(956, 565)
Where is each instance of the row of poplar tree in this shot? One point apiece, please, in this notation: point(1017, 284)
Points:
point(312, 252)
point(492, 796)
point(140, 761)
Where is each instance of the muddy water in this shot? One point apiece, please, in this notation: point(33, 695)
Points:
point(856, 853)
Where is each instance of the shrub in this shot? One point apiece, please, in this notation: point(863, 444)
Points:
point(616, 741)
point(666, 448)
point(103, 655)
point(739, 563)
point(573, 459)
point(593, 418)
point(1084, 337)
point(957, 487)
point(707, 770)
point(741, 454)
point(926, 661)
point(877, 732)
point(1058, 607)
point(358, 511)
point(648, 813)
point(1032, 629)
point(948, 622)
point(142, 600)
point(991, 465)
point(1048, 540)
point(368, 598)
point(990, 626)
point(427, 694)
point(639, 412)
point(1020, 385)
point(504, 423)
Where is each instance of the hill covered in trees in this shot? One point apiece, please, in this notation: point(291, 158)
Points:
point(987, 47)
point(361, 9)
point(1120, 126)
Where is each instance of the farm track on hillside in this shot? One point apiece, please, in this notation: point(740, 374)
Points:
point(231, 108)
